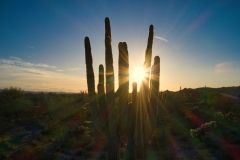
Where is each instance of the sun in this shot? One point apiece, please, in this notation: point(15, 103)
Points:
point(138, 74)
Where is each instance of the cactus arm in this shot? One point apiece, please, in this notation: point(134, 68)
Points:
point(154, 89)
point(130, 154)
point(134, 95)
point(110, 87)
point(113, 138)
point(143, 127)
point(137, 116)
point(123, 76)
point(132, 111)
point(102, 106)
point(147, 62)
point(101, 74)
point(91, 86)
point(148, 52)
point(144, 90)
point(154, 86)
point(108, 28)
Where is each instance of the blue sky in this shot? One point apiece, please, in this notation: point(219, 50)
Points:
point(42, 42)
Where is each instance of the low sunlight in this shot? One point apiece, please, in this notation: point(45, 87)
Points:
point(138, 75)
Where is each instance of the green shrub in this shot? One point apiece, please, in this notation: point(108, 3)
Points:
point(220, 102)
point(219, 116)
point(13, 100)
point(204, 133)
point(206, 127)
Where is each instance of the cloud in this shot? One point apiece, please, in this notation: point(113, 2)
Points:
point(227, 67)
point(15, 58)
point(32, 72)
point(38, 77)
point(16, 62)
point(74, 69)
point(161, 38)
point(59, 70)
point(43, 65)
point(6, 62)
point(30, 47)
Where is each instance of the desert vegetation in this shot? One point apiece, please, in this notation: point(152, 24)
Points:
point(59, 126)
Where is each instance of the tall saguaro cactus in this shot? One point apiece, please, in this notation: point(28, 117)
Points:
point(136, 119)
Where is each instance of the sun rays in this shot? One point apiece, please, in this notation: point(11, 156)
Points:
point(138, 73)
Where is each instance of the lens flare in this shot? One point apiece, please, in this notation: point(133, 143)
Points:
point(138, 74)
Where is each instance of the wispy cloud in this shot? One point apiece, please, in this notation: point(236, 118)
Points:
point(30, 47)
point(38, 77)
point(43, 65)
point(74, 69)
point(15, 58)
point(33, 72)
point(227, 67)
point(59, 70)
point(18, 62)
point(161, 38)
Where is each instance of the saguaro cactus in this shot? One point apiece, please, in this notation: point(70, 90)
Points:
point(136, 119)
point(205, 95)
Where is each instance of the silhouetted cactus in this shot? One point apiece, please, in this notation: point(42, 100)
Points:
point(205, 96)
point(81, 95)
point(102, 98)
point(136, 119)
point(160, 96)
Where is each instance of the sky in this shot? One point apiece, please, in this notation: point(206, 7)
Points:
point(42, 42)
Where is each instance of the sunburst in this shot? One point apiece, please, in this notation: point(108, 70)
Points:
point(138, 74)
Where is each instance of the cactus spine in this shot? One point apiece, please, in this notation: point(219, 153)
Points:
point(136, 119)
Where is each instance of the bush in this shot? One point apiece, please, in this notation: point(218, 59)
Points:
point(219, 116)
point(204, 133)
point(206, 127)
point(12, 93)
point(219, 102)
point(13, 100)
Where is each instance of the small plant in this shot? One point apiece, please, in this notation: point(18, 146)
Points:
point(204, 133)
point(206, 127)
point(219, 116)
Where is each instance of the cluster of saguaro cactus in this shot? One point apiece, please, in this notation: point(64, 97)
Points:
point(135, 118)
